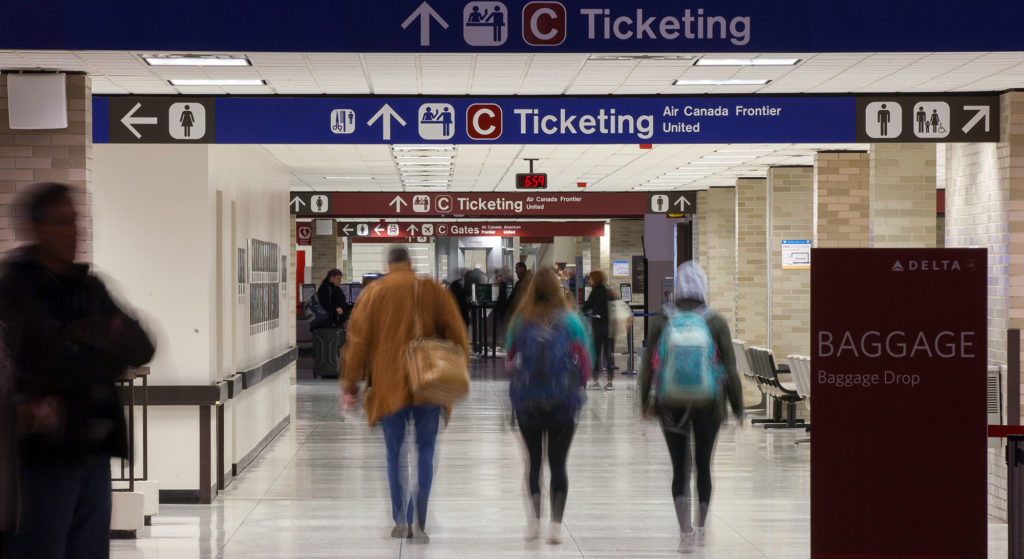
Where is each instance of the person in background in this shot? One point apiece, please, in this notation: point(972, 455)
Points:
point(501, 308)
point(700, 422)
point(68, 342)
point(333, 300)
point(523, 275)
point(550, 357)
point(597, 304)
point(9, 492)
point(378, 333)
point(458, 291)
point(475, 276)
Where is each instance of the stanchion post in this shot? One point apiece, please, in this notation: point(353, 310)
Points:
point(1013, 376)
point(1015, 495)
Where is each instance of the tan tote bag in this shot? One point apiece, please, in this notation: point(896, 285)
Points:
point(438, 370)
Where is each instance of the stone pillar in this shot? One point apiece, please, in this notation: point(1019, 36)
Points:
point(325, 248)
point(700, 230)
point(842, 198)
point(64, 155)
point(718, 256)
point(752, 261)
point(791, 218)
point(903, 187)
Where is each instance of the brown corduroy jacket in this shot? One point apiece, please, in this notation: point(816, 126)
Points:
point(380, 328)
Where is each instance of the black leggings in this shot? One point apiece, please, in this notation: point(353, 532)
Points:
point(705, 431)
point(559, 427)
point(603, 349)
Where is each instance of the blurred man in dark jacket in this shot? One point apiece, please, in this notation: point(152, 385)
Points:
point(68, 342)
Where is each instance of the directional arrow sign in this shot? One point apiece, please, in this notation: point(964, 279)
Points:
point(682, 202)
point(386, 113)
point(413, 229)
point(981, 112)
point(379, 230)
point(128, 120)
point(346, 230)
point(424, 13)
point(397, 203)
point(297, 204)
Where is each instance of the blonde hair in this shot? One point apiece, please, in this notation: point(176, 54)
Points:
point(543, 298)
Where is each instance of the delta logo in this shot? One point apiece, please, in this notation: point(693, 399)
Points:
point(927, 266)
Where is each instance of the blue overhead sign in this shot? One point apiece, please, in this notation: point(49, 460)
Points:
point(543, 120)
point(644, 26)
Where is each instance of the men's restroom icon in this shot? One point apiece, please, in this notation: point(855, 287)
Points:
point(659, 203)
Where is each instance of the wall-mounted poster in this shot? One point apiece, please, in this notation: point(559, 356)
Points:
point(620, 268)
point(268, 272)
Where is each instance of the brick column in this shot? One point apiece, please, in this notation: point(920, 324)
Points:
point(842, 197)
point(325, 252)
point(792, 205)
point(700, 230)
point(752, 261)
point(65, 155)
point(903, 195)
point(718, 212)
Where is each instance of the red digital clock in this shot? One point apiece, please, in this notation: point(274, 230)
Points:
point(531, 180)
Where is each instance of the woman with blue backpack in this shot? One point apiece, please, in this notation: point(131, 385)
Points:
point(550, 358)
point(686, 377)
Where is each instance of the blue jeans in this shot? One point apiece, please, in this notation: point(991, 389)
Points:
point(66, 511)
point(426, 419)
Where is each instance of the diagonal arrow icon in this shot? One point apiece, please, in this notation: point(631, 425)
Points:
point(386, 113)
point(424, 12)
point(981, 112)
point(128, 120)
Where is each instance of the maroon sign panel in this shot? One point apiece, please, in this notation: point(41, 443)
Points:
point(469, 204)
point(898, 367)
point(304, 233)
point(472, 229)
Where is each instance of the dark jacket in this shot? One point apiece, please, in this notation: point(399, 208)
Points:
point(597, 304)
point(69, 341)
point(332, 298)
point(8, 451)
point(723, 341)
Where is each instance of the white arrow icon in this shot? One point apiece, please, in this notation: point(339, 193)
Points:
point(297, 203)
point(346, 229)
point(682, 202)
point(983, 112)
point(388, 113)
point(424, 12)
point(413, 229)
point(378, 230)
point(397, 203)
point(128, 120)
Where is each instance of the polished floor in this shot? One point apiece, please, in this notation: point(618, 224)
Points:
point(320, 490)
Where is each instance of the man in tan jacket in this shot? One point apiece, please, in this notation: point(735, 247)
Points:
point(382, 324)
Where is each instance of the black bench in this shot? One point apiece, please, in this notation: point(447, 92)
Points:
point(762, 362)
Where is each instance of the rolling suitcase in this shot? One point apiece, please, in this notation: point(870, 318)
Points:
point(327, 344)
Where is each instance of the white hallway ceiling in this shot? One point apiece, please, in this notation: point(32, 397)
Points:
point(603, 167)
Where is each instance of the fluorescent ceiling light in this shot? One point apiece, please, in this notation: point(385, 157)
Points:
point(217, 82)
point(724, 162)
point(424, 147)
point(641, 57)
point(666, 187)
point(424, 163)
point(332, 178)
point(721, 82)
point(746, 62)
point(196, 60)
point(421, 157)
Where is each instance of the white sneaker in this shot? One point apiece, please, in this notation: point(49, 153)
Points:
point(686, 544)
point(532, 528)
point(698, 536)
point(555, 533)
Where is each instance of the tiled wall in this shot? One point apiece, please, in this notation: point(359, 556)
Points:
point(903, 183)
point(985, 208)
point(720, 262)
point(842, 195)
point(752, 261)
point(792, 203)
point(325, 255)
point(626, 236)
point(31, 156)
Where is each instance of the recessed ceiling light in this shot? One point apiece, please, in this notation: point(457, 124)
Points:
point(216, 82)
point(422, 157)
point(196, 60)
point(423, 147)
point(424, 163)
point(746, 61)
point(334, 178)
point(721, 82)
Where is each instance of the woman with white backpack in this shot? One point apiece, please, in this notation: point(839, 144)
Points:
point(686, 377)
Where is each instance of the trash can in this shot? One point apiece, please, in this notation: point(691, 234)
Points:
point(327, 344)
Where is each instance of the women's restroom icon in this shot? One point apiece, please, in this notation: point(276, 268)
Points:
point(186, 121)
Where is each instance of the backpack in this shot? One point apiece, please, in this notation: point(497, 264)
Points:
point(320, 316)
point(687, 367)
point(547, 367)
